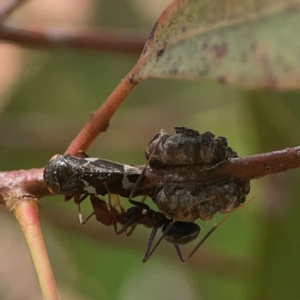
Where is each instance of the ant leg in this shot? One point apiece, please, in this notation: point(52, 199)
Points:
point(135, 188)
point(135, 202)
point(88, 217)
point(114, 211)
point(132, 216)
point(148, 253)
point(150, 241)
point(116, 198)
point(141, 205)
point(118, 203)
point(177, 247)
point(101, 211)
point(78, 201)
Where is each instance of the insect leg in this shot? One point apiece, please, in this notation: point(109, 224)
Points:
point(177, 247)
point(82, 222)
point(131, 230)
point(148, 253)
point(101, 211)
point(78, 201)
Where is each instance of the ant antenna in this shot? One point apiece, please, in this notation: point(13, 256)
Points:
point(144, 170)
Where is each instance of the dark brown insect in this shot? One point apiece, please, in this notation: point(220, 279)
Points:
point(175, 232)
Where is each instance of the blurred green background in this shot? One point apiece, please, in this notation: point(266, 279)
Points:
point(50, 96)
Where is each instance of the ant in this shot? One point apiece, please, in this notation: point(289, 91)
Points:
point(175, 232)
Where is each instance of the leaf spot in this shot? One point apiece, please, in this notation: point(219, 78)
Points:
point(220, 50)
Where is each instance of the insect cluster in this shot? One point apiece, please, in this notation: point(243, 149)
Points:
point(182, 156)
point(175, 160)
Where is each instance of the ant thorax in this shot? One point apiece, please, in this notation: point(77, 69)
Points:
point(179, 158)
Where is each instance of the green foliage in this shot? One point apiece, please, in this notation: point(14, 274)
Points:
point(259, 242)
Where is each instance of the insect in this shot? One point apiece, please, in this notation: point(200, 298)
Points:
point(71, 175)
point(172, 178)
point(178, 160)
point(177, 233)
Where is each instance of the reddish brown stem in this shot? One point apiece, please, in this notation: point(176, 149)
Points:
point(99, 120)
point(15, 185)
point(30, 183)
point(248, 167)
point(260, 165)
point(26, 213)
point(105, 39)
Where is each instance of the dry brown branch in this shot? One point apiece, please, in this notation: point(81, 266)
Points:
point(9, 7)
point(102, 39)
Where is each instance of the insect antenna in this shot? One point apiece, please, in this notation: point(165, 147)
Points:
point(144, 170)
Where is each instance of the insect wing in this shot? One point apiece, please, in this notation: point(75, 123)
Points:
point(77, 175)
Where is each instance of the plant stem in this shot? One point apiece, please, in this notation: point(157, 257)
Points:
point(26, 212)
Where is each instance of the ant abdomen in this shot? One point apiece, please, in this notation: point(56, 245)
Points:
point(181, 232)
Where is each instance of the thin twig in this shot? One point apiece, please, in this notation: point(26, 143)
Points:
point(30, 182)
point(103, 39)
point(99, 120)
point(248, 167)
point(9, 7)
point(26, 213)
point(17, 184)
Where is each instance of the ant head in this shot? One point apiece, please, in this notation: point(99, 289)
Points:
point(181, 232)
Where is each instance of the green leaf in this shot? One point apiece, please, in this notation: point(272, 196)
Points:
point(252, 43)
